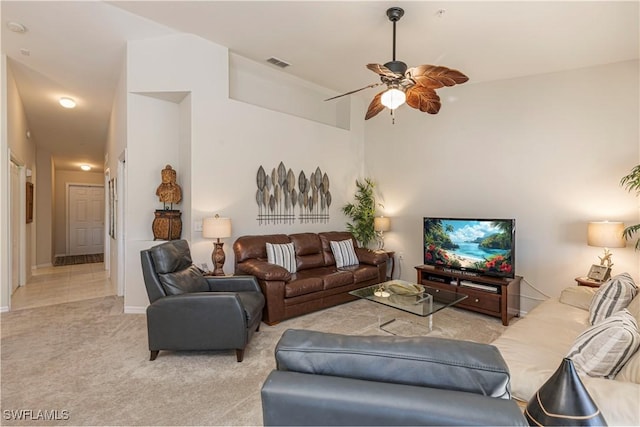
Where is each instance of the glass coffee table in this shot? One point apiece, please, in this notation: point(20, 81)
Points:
point(416, 299)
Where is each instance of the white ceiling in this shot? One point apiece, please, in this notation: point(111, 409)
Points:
point(77, 48)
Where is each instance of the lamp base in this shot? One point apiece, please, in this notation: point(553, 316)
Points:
point(218, 258)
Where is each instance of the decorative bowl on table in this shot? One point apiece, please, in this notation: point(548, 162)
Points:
point(404, 288)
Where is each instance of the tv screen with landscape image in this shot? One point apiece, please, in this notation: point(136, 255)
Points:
point(483, 246)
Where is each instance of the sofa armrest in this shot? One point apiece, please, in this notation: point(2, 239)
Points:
point(292, 398)
point(420, 361)
point(578, 296)
point(263, 270)
point(233, 283)
point(367, 256)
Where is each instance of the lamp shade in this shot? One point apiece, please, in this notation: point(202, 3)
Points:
point(216, 228)
point(381, 223)
point(605, 234)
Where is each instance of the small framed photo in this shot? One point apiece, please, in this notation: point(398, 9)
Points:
point(599, 273)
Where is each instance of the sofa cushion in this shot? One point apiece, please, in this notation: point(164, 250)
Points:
point(184, 281)
point(362, 273)
point(344, 253)
point(337, 278)
point(613, 296)
point(333, 236)
point(254, 247)
point(302, 284)
point(283, 255)
point(634, 308)
point(630, 372)
point(604, 348)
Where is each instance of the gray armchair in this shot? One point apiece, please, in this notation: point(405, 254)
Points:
point(189, 311)
point(330, 379)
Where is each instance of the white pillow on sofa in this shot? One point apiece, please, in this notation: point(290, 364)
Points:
point(344, 253)
point(604, 348)
point(613, 296)
point(283, 254)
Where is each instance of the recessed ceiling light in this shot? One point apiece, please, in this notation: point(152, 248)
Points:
point(85, 167)
point(16, 27)
point(67, 102)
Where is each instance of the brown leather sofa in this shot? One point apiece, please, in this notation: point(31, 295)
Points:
point(317, 283)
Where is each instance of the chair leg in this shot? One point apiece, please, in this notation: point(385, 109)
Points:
point(258, 328)
point(154, 354)
point(239, 354)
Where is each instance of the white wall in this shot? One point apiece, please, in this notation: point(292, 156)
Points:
point(23, 149)
point(44, 208)
point(548, 150)
point(5, 287)
point(226, 141)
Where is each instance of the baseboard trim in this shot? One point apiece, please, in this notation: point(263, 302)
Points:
point(134, 309)
point(4, 309)
point(49, 264)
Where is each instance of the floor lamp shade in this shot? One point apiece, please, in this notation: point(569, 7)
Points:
point(563, 401)
point(217, 228)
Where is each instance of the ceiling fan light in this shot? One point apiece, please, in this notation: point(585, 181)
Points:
point(393, 98)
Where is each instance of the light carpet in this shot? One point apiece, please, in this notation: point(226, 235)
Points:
point(90, 361)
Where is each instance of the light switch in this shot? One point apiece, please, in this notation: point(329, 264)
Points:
point(197, 226)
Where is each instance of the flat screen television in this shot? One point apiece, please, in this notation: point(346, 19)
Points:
point(479, 246)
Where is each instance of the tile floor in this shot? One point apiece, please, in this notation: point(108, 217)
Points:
point(57, 285)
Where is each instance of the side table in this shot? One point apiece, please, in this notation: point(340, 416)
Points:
point(585, 281)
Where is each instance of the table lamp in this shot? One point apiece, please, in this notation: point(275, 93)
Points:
point(380, 225)
point(606, 234)
point(217, 228)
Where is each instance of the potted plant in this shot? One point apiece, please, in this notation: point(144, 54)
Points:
point(362, 212)
point(631, 183)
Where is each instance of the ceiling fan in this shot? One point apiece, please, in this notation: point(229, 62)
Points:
point(416, 85)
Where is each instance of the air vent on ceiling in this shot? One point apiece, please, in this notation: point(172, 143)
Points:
point(278, 62)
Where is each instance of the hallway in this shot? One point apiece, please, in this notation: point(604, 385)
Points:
point(57, 285)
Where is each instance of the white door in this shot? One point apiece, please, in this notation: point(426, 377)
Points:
point(14, 231)
point(86, 219)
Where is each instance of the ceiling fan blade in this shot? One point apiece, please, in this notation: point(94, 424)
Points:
point(354, 91)
point(383, 71)
point(424, 99)
point(375, 107)
point(434, 77)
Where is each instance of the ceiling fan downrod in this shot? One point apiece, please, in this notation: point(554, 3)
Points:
point(394, 14)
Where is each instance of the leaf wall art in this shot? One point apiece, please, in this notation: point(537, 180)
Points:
point(278, 200)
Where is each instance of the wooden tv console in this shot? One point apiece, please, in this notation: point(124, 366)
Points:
point(495, 296)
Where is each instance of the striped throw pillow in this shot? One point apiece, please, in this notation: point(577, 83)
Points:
point(613, 296)
point(604, 348)
point(344, 253)
point(283, 255)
